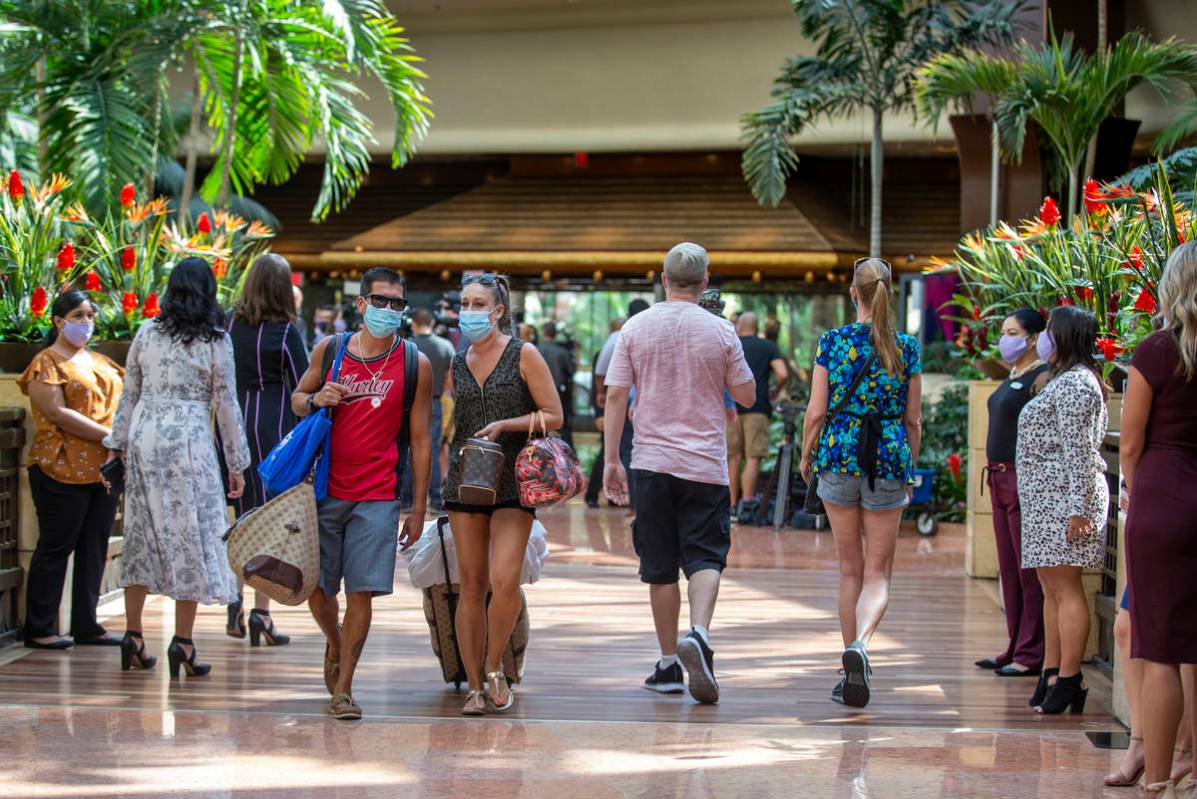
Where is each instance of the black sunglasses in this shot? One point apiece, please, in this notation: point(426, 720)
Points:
point(486, 279)
point(380, 301)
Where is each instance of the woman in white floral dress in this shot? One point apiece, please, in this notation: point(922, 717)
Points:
point(1065, 498)
point(179, 368)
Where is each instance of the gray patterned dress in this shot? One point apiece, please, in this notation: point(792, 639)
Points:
point(174, 500)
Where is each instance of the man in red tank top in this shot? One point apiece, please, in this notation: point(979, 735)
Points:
point(359, 519)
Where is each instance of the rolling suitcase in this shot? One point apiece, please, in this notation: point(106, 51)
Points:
point(440, 609)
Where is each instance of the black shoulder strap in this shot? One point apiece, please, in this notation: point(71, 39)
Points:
point(868, 364)
point(330, 353)
point(411, 377)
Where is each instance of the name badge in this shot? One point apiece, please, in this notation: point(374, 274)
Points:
point(1016, 386)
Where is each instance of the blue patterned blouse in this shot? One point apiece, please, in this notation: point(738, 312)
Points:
point(841, 352)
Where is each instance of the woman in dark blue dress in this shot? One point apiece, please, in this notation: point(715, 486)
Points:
point(269, 355)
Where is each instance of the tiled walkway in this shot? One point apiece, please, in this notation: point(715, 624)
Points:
point(73, 725)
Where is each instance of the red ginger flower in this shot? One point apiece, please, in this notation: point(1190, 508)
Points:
point(1136, 258)
point(1094, 202)
point(204, 224)
point(129, 303)
point(1084, 293)
point(1049, 212)
point(128, 195)
point(1108, 347)
point(1145, 302)
point(954, 465)
point(93, 282)
point(150, 309)
point(66, 257)
point(128, 259)
point(38, 303)
point(16, 189)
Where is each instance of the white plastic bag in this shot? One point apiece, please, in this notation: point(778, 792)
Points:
point(426, 567)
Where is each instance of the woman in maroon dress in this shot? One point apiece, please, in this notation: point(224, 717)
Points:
point(1159, 465)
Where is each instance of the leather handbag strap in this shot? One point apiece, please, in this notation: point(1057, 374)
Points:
point(838, 409)
point(532, 419)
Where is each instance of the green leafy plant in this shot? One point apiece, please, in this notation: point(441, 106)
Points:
point(945, 449)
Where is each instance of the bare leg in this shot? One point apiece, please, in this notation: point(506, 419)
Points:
point(733, 473)
point(1132, 671)
point(845, 527)
point(185, 622)
point(326, 610)
point(1051, 625)
point(471, 536)
point(1182, 760)
point(1161, 713)
point(134, 603)
point(359, 612)
point(1072, 616)
point(1190, 692)
point(881, 537)
point(261, 602)
point(702, 589)
point(752, 473)
point(666, 601)
point(509, 530)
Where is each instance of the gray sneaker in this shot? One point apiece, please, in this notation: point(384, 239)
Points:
point(856, 675)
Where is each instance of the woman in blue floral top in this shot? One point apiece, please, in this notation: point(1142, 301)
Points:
point(862, 440)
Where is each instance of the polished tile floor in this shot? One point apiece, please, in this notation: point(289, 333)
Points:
point(73, 725)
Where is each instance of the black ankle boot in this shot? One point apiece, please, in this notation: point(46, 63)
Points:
point(262, 626)
point(236, 623)
point(1068, 693)
point(177, 656)
point(1042, 687)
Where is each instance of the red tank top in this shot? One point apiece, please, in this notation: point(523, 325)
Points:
point(365, 447)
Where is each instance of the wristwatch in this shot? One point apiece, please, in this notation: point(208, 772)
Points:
point(311, 403)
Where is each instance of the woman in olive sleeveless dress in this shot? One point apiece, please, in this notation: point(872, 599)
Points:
point(500, 383)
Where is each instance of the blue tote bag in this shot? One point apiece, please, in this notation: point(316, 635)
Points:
point(290, 463)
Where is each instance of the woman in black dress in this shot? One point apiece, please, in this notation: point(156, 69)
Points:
point(500, 383)
point(270, 356)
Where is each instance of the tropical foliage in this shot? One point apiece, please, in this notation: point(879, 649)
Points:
point(945, 448)
point(868, 51)
point(1066, 92)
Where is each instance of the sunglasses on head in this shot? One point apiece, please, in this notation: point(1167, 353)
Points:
point(486, 279)
point(860, 261)
point(380, 301)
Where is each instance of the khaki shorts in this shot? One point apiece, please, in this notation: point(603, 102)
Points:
point(748, 436)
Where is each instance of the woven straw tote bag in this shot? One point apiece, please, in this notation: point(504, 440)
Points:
point(276, 548)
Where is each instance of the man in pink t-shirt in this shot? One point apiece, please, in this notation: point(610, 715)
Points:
point(680, 358)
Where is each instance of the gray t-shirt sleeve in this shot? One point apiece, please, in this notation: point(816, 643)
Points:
point(605, 354)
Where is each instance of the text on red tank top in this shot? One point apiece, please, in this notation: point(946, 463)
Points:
point(365, 447)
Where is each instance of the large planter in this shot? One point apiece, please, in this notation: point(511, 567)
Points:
point(118, 351)
point(16, 355)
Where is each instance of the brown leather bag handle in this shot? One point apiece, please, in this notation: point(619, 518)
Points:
point(532, 417)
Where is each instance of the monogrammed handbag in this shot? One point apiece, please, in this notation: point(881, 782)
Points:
point(276, 548)
point(482, 463)
point(547, 470)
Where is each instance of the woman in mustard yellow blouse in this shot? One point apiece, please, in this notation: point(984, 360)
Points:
point(74, 393)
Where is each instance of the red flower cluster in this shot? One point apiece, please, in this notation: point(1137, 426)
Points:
point(129, 303)
point(1094, 200)
point(93, 282)
point(16, 189)
point(954, 465)
point(1108, 347)
point(66, 257)
point(128, 195)
point(1145, 302)
point(220, 267)
point(204, 224)
point(150, 309)
point(1049, 212)
point(1136, 258)
point(128, 259)
point(38, 303)
point(1084, 293)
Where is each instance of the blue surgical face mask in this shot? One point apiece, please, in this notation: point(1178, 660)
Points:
point(475, 325)
point(78, 333)
point(382, 322)
point(1045, 347)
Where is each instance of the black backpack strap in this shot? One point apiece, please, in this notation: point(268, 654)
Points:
point(330, 353)
point(411, 377)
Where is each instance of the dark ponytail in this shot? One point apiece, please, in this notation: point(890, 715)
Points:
point(63, 304)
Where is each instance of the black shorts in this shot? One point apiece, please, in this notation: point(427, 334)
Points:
point(461, 507)
point(679, 524)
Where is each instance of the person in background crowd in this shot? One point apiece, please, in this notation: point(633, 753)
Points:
point(528, 334)
point(1064, 498)
point(560, 360)
point(439, 353)
point(324, 323)
point(74, 394)
point(297, 298)
point(269, 356)
point(601, 364)
point(748, 435)
point(864, 458)
point(1022, 596)
point(359, 520)
point(179, 369)
point(1158, 455)
point(501, 382)
point(598, 399)
point(679, 358)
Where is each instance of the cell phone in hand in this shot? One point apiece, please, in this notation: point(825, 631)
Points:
point(114, 473)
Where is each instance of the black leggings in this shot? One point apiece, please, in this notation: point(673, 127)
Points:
point(71, 519)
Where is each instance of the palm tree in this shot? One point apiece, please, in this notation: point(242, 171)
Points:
point(867, 53)
point(1064, 91)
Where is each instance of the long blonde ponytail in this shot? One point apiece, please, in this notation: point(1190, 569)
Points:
point(873, 281)
point(1178, 304)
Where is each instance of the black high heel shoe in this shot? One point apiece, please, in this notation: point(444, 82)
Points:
point(1069, 693)
point(133, 653)
point(235, 628)
point(1042, 687)
point(178, 657)
point(261, 625)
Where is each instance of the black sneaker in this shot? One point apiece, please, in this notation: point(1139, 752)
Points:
point(856, 675)
point(668, 680)
point(837, 693)
point(699, 661)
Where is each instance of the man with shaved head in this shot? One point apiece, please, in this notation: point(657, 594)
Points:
point(748, 435)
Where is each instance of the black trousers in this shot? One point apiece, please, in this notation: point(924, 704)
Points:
point(70, 519)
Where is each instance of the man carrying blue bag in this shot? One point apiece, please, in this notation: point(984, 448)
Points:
point(377, 391)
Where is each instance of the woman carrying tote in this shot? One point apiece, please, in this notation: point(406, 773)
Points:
point(1065, 500)
point(74, 393)
point(500, 384)
point(179, 368)
point(864, 457)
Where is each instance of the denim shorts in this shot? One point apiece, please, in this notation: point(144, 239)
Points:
point(358, 544)
point(846, 489)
